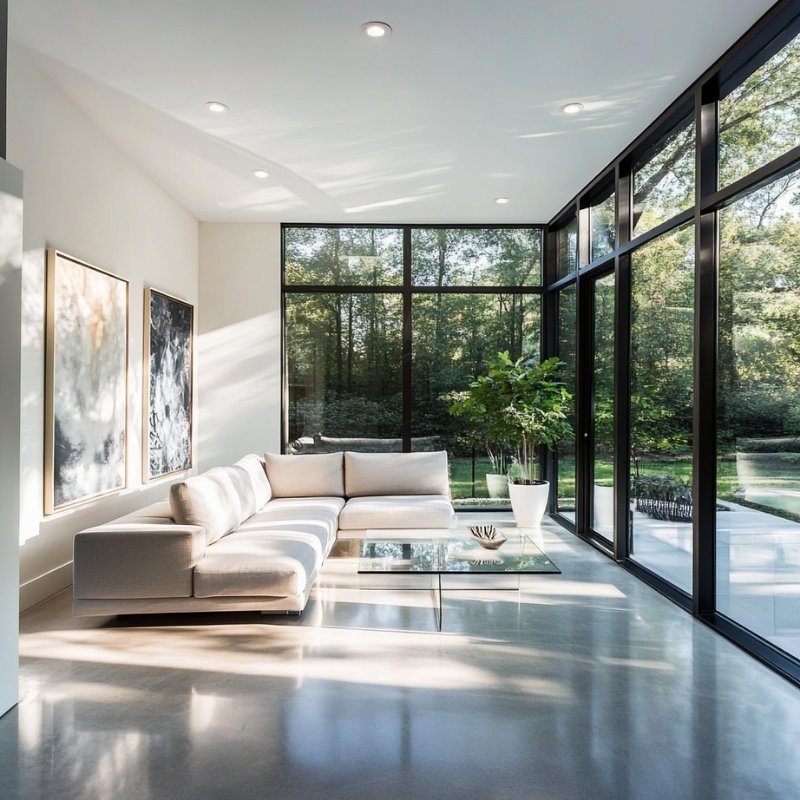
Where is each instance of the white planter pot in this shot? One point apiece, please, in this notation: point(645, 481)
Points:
point(529, 502)
point(497, 484)
point(603, 512)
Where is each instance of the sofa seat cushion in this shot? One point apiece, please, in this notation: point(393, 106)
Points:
point(371, 474)
point(396, 511)
point(318, 516)
point(305, 476)
point(258, 563)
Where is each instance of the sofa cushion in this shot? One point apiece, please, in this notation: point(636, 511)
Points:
point(317, 516)
point(258, 564)
point(251, 484)
point(368, 474)
point(209, 500)
point(305, 476)
point(319, 511)
point(396, 511)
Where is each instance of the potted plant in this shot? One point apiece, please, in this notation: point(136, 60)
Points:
point(525, 406)
point(478, 408)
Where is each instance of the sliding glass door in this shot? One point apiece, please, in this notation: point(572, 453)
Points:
point(600, 426)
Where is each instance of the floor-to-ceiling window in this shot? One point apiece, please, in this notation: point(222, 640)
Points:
point(568, 353)
point(661, 405)
point(345, 333)
point(694, 255)
point(384, 324)
point(758, 468)
point(674, 301)
point(602, 405)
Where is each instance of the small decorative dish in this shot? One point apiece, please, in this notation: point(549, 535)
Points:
point(487, 536)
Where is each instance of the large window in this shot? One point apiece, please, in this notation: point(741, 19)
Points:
point(344, 356)
point(664, 179)
point(760, 118)
point(688, 358)
point(567, 248)
point(343, 256)
point(568, 353)
point(758, 472)
point(661, 405)
point(603, 405)
point(475, 257)
point(602, 226)
point(358, 307)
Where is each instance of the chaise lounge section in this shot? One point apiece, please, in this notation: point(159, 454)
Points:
point(252, 536)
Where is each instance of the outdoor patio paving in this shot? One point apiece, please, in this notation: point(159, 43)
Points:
point(758, 567)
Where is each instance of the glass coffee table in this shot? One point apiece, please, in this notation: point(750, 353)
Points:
point(455, 553)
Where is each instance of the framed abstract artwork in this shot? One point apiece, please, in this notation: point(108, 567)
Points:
point(167, 407)
point(86, 382)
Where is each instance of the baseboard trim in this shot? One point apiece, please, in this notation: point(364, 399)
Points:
point(43, 586)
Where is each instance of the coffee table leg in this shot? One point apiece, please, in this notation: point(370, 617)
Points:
point(439, 579)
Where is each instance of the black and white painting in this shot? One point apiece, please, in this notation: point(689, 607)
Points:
point(168, 390)
point(86, 382)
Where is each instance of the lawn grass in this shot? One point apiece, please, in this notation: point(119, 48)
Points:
point(678, 468)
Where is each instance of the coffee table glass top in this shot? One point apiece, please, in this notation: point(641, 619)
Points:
point(456, 552)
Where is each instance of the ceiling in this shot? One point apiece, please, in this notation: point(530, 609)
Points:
point(461, 105)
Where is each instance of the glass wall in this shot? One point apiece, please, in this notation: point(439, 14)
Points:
point(760, 118)
point(664, 179)
point(567, 248)
point(661, 405)
point(708, 319)
point(343, 357)
point(603, 223)
point(567, 352)
point(476, 257)
point(758, 471)
point(454, 336)
point(603, 334)
point(350, 317)
point(343, 256)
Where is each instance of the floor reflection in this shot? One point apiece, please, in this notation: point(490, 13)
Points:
point(582, 685)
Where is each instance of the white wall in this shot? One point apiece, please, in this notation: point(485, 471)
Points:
point(85, 197)
point(239, 348)
point(10, 332)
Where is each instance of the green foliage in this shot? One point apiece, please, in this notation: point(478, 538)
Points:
point(518, 403)
point(335, 417)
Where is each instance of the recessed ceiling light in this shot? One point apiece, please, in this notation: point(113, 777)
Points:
point(376, 30)
point(501, 201)
point(215, 107)
point(572, 108)
point(261, 173)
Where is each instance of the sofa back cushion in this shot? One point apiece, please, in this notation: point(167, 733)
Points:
point(209, 500)
point(368, 474)
point(250, 481)
point(319, 475)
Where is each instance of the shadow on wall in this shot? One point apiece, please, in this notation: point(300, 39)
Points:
point(239, 390)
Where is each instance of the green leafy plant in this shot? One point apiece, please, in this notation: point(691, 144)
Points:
point(519, 404)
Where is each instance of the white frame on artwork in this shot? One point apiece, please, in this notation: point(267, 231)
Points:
point(147, 476)
point(55, 304)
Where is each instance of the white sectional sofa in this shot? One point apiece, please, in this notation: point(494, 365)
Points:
point(252, 536)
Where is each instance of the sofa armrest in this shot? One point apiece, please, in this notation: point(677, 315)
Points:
point(122, 560)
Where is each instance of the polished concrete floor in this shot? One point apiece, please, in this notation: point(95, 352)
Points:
point(585, 684)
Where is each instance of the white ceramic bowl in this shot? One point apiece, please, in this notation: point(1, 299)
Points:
point(487, 536)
